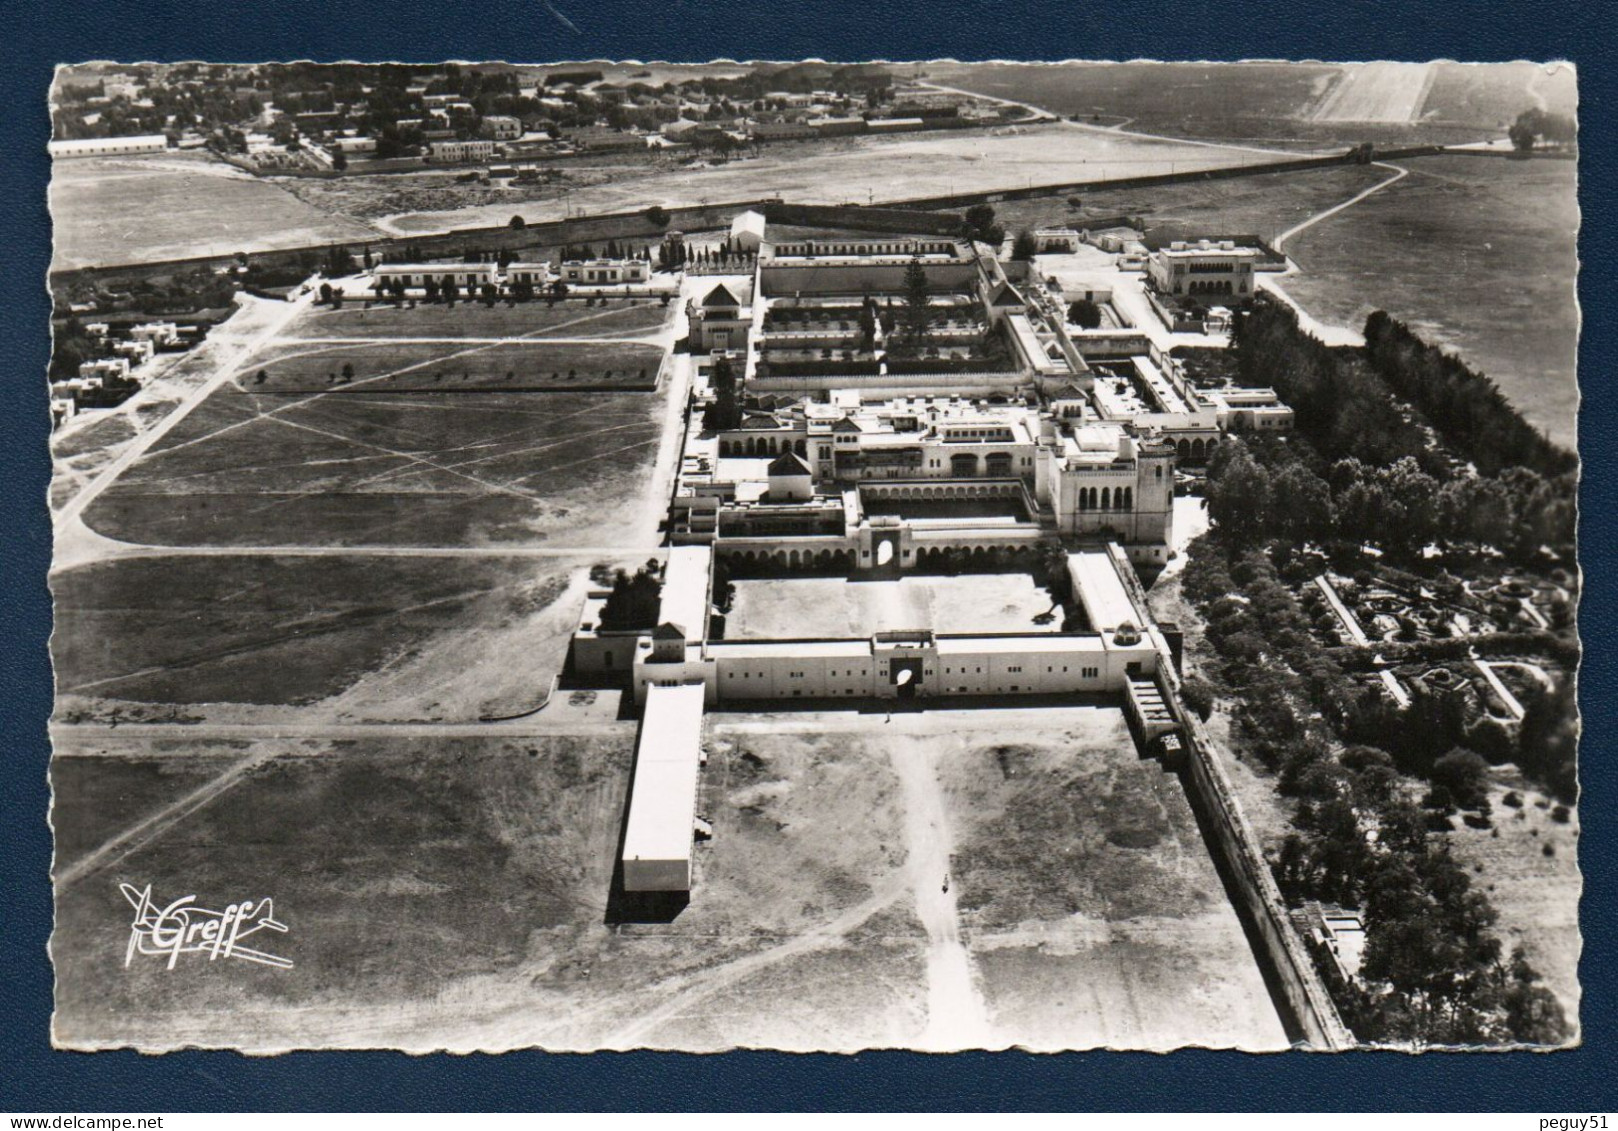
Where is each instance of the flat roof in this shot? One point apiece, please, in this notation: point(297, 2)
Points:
point(1101, 591)
point(1165, 393)
point(685, 590)
point(663, 798)
point(790, 649)
point(1033, 645)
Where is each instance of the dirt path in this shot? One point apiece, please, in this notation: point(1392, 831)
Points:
point(1399, 174)
point(956, 1018)
point(1331, 335)
point(685, 992)
point(142, 834)
point(144, 442)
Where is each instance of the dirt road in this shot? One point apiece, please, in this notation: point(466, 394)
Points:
point(956, 1018)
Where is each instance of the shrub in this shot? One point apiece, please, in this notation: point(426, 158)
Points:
point(1199, 696)
point(1512, 800)
point(1560, 814)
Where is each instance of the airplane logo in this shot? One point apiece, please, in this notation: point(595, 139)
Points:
point(182, 927)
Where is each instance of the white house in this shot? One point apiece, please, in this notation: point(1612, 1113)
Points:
point(477, 150)
point(605, 272)
point(417, 274)
point(747, 230)
point(109, 146)
point(498, 127)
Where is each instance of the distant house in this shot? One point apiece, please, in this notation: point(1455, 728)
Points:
point(136, 350)
point(836, 127)
point(158, 333)
point(604, 138)
point(355, 145)
point(747, 230)
point(452, 151)
point(1048, 240)
point(498, 127)
point(104, 369)
point(417, 274)
point(109, 146)
point(535, 274)
point(605, 272)
point(780, 131)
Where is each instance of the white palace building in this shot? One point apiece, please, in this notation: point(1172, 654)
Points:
point(868, 445)
point(677, 673)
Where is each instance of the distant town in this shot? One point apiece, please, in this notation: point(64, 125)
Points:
point(332, 118)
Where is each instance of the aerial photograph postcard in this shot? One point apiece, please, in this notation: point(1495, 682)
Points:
point(814, 556)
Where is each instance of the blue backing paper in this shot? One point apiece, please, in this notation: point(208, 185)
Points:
point(35, 1078)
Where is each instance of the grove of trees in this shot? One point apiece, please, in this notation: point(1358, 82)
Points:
point(634, 601)
point(1365, 466)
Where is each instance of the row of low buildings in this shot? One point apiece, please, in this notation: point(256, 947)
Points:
point(109, 146)
point(602, 272)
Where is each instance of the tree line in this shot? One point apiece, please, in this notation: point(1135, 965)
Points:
point(1464, 406)
point(1364, 466)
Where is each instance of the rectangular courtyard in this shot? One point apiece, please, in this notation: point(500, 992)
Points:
point(784, 608)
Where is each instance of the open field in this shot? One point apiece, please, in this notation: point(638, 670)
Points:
point(365, 196)
point(1262, 206)
point(90, 441)
point(823, 606)
point(872, 170)
point(1090, 905)
point(1536, 895)
point(346, 638)
point(460, 895)
point(1376, 92)
point(1495, 93)
point(434, 856)
point(569, 318)
point(395, 366)
point(1279, 104)
point(1201, 100)
point(565, 469)
point(1502, 294)
point(173, 206)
